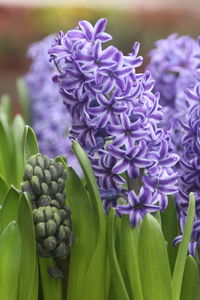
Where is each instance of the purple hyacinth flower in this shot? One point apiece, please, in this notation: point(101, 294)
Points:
point(86, 131)
point(126, 133)
point(104, 171)
point(90, 33)
point(138, 206)
point(163, 185)
point(132, 59)
point(115, 75)
point(107, 110)
point(97, 58)
point(130, 160)
point(162, 158)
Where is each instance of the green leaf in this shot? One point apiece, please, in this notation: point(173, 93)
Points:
point(90, 180)
point(6, 149)
point(3, 189)
point(51, 288)
point(182, 251)
point(153, 260)
point(118, 284)
point(190, 284)
point(93, 288)
point(129, 240)
point(10, 253)
point(170, 228)
point(28, 267)
point(5, 106)
point(30, 143)
point(18, 131)
point(10, 208)
point(84, 232)
point(24, 99)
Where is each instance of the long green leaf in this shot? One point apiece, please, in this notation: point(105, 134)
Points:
point(51, 288)
point(10, 208)
point(153, 260)
point(3, 189)
point(94, 289)
point(10, 253)
point(6, 149)
point(118, 284)
point(5, 106)
point(18, 131)
point(170, 229)
point(182, 252)
point(129, 240)
point(91, 181)
point(190, 284)
point(28, 266)
point(24, 100)
point(85, 234)
point(30, 143)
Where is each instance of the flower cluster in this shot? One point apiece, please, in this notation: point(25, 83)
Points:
point(115, 117)
point(190, 162)
point(49, 118)
point(174, 65)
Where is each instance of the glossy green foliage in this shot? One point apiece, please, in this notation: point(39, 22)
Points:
point(182, 252)
point(190, 283)
point(10, 254)
point(153, 261)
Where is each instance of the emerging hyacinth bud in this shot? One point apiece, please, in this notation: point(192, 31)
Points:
point(53, 231)
point(44, 181)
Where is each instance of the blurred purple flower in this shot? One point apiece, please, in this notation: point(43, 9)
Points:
point(49, 118)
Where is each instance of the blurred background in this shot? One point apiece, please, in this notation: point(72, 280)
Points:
point(23, 22)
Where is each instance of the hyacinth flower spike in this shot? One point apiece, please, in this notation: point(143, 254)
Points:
point(117, 124)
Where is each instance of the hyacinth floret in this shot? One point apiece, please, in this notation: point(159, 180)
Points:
point(115, 117)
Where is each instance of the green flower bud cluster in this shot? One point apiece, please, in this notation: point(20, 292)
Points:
point(44, 182)
point(53, 231)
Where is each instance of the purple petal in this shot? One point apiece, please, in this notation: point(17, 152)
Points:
point(115, 129)
point(87, 29)
point(104, 119)
point(104, 37)
point(116, 152)
point(135, 218)
point(102, 100)
point(133, 198)
point(192, 248)
point(151, 208)
point(100, 26)
point(177, 240)
point(97, 50)
point(124, 71)
point(75, 34)
point(108, 53)
point(121, 166)
point(170, 161)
